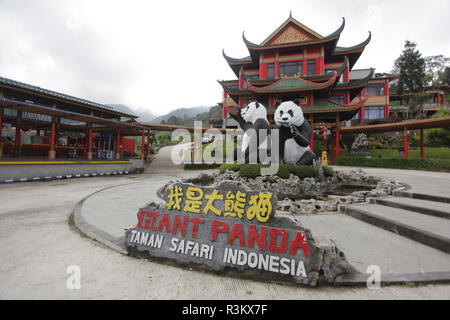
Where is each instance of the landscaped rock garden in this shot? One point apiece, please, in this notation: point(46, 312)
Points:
point(310, 194)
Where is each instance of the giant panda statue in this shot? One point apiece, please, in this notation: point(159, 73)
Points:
point(253, 117)
point(295, 134)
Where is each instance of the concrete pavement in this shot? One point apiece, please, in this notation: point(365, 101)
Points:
point(37, 245)
point(364, 244)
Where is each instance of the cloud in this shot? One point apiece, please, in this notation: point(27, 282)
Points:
point(167, 54)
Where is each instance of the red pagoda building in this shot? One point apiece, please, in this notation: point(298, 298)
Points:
point(295, 62)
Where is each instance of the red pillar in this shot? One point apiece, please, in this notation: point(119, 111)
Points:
point(148, 146)
point(224, 111)
point(312, 134)
point(1, 128)
point(143, 148)
point(17, 151)
point(89, 142)
point(117, 146)
point(405, 142)
point(421, 143)
point(337, 134)
point(332, 147)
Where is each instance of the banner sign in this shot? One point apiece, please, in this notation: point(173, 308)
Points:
point(225, 228)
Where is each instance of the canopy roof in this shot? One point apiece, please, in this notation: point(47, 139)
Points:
point(443, 122)
point(49, 94)
point(98, 123)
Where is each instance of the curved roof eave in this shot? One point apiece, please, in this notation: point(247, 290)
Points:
point(357, 83)
point(316, 86)
point(355, 47)
point(330, 37)
point(230, 59)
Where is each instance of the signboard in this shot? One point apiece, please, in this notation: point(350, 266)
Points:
point(225, 228)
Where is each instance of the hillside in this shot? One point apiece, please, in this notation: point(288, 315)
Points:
point(144, 115)
point(212, 113)
point(182, 113)
point(181, 116)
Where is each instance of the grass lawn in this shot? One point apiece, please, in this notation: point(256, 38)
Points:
point(435, 159)
point(429, 153)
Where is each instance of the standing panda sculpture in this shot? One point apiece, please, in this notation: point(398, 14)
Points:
point(253, 117)
point(295, 134)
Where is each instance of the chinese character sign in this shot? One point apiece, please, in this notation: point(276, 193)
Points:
point(224, 200)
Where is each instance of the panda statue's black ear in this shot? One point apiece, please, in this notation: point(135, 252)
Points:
point(296, 101)
point(257, 104)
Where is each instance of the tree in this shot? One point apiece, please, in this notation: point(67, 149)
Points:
point(437, 70)
point(411, 69)
point(438, 137)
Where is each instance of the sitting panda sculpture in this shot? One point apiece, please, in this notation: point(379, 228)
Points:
point(295, 134)
point(253, 117)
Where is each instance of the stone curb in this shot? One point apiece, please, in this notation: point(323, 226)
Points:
point(117, 244)
point(68, 176)
point(410, 232)
point(423, 210)
point(94, 233)
point(392, 278)
point(421, 196)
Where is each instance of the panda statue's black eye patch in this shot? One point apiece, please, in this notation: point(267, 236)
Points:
point(291, 113)
point(281, 112)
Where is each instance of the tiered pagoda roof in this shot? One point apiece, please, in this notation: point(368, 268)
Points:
point(331, 78)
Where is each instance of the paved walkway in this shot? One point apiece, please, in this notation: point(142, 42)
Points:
point(37, 245)
point(428, 182)
point(111, 210)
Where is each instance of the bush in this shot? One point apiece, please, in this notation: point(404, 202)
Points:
point(397, 163)
point(302, 171)
point(200, 166)
point(328, 171)
point(229, 166)
point(284, 171)
point(249, 170)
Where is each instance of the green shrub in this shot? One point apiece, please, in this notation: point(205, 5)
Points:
point(302, 171)
point(200, 166)
point(229, 166)
point(328, 171)
point(397, 163)
point(284, 171)
point(250, 170)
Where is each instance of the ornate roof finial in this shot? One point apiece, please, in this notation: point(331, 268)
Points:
point(290, 13)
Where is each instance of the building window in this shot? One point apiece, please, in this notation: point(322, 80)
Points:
point(376, 112)
point(338, 99)
point(303, 100)
point(292, 68)
point(271, 70)
point(311, 67)
point(375, 90)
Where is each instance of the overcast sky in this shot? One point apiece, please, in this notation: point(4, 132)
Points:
point(162, 55)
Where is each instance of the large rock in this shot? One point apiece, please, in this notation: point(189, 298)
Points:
point(250, 241)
